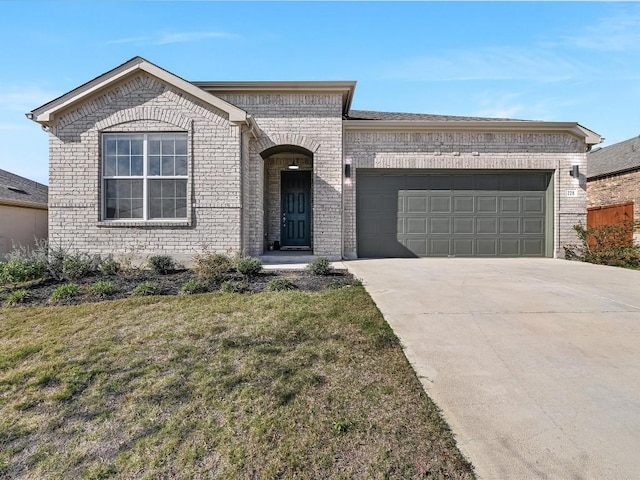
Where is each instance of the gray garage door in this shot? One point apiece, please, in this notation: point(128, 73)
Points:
point(402, 214)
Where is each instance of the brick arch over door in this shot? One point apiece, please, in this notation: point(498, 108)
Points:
point(268, 143)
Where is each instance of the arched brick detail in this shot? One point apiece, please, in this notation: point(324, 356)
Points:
point(287, 139)
point(145, 113)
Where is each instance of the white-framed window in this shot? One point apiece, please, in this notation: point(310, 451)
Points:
point(144, 176)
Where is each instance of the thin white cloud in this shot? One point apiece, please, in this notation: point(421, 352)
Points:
point(169, 38)
point(489, 63)
point(615, 33)
point(23, 99)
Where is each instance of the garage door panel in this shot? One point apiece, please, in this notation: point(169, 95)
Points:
point(463, 225)
point(487, 225)
point(438, 247)
point(534, 226)
point(444, 214)
point(509, 246)
point(416, 204)
point(417, 246)
point(416, 225)
point(509, 226)
point(487, 247)
point(532, 246)
point(463, 204)
point(463, 247)
point(487, 204)
point(440, 204)
point(509, 204)
point(533, 205)
point(440, 226)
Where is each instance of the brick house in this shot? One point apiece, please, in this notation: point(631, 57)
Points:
point(144, 161)
point(23, 212)
point(613, 177)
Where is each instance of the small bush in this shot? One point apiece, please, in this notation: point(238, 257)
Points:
point(109, 266)
point(193, 286)
point(606, 245)
point(64, 292)
point(280, 284)
point(162, 264)
point(18, 270)
point(212, 267)
point(234, 286)
point(320, 266)
point(249, 266)
point(104, 288)
point(79, 265)
point(17, 297)
point(146, 289)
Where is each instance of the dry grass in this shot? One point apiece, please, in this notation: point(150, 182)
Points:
point(271, 385)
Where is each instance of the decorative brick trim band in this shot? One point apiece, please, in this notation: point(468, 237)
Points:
point(287, 139)
point(145, 113)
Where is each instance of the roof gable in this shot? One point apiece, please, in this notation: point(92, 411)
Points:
point(46, 114)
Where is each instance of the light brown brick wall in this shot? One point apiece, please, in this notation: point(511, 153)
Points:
point(459, 151)
point(614, 189)
point(138, 105)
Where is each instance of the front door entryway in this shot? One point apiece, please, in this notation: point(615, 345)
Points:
point(295, 222)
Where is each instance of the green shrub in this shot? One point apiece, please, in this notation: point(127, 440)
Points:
point(17, 297)
point(606, 245)
point(212, 267)
point(18, 270)
point(320, 266)
point(162, 264)
point(146, 289)
point(109, 266)
point(193, 286)
point(103, 288)
point(279, 284)
point(64, 292)
point(234, 286)
point(78, 265)
point(249, 266)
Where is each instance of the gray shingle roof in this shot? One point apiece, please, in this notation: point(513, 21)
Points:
point(16, 189)
point(371, 115)
point(616, 158)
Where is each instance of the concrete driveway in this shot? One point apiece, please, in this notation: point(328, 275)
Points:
point(535, 363)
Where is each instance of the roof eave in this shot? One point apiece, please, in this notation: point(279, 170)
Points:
point(591, 138)
point(24, 204)
point(46, 114)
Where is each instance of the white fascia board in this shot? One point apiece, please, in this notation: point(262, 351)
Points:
point(46, 114)
point(591, 138)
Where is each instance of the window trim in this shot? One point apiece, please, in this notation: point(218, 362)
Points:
point(145, 220)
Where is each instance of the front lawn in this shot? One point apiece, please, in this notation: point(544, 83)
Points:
point(268, 385)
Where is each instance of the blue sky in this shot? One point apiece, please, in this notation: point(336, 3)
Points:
point(572, 61)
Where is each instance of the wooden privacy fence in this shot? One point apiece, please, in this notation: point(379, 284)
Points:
point(617, 214)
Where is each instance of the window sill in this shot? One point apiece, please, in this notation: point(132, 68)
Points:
point(144, 224)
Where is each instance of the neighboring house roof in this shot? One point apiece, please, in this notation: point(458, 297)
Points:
point(614, 159)
point(22, 192)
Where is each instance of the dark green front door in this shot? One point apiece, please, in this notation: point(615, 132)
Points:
point(295, 226)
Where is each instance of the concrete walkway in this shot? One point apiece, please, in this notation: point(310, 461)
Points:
point(535, 363)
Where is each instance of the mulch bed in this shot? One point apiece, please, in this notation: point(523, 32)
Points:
point(171, 283)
